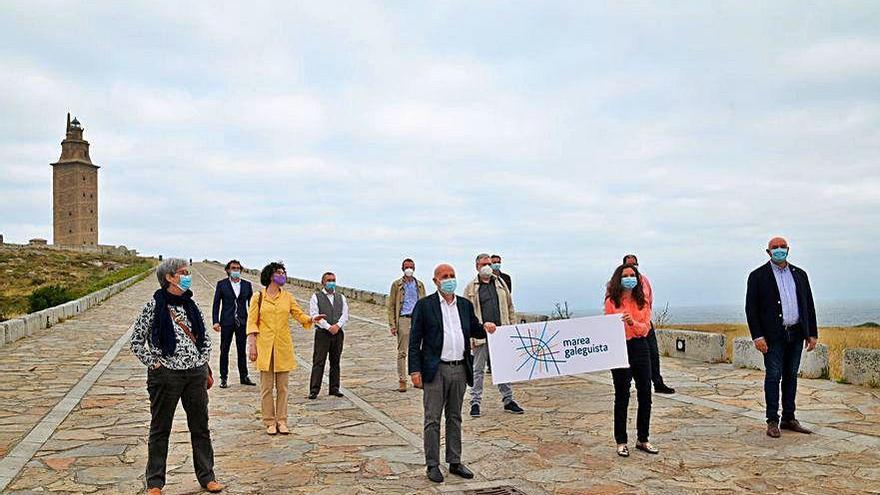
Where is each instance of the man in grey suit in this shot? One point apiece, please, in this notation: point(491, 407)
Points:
point(440, 361)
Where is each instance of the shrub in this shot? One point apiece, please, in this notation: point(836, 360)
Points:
point(47, 297)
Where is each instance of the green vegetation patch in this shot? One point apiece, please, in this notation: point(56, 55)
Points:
point(32, 279)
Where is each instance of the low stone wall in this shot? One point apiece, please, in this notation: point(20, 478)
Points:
point(813, 364)
point(17, 328)
point(862, 366)
point(698, 346)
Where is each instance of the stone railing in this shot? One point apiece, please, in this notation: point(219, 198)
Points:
point(17, 328)
point(699, 346)
point(862, 367)
point(813, 364)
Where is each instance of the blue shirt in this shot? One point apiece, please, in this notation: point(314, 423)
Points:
point(410, 297)
point(787, 294)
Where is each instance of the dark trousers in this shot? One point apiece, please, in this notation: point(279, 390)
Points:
point(166, 388)
point(326, 343)
point(226, 335)
point(444, 395)
point(656, 377)
point(782, 360)
point(640, 371)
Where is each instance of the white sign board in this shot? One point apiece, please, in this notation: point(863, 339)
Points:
point(531, 351)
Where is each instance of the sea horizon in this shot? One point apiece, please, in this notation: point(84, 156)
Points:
point(829, 313)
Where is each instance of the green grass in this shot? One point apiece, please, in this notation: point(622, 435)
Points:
point(24, 270)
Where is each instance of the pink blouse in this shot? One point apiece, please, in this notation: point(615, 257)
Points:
point(641, 317)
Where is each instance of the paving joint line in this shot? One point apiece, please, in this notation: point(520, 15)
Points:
point(23, 452)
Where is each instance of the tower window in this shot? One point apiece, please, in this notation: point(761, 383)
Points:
point(70, 231)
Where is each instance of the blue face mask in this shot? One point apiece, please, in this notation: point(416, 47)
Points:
point(235, 275)
point(779, 254)
point(629, 283)
point(185, 283)
point(331, 286)
point(448, 286)
point(496, 267)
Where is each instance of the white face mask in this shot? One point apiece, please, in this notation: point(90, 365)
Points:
point(409, 272)
point(486, 270)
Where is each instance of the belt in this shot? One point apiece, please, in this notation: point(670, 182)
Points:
point(453, 363)
point(792, 328)
point(406, 316)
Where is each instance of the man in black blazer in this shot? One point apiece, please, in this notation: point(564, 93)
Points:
point(231, 299)
point(782, 321)
point(440, 361)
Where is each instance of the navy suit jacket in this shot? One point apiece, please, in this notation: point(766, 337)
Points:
point(426, 336)
point(224, 295)
point(764, 306)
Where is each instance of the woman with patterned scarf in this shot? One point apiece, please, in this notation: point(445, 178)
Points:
point(169, 338)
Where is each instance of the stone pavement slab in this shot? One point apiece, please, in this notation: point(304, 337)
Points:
point(711, 436)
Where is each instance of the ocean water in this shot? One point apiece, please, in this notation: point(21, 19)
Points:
point(828, 313)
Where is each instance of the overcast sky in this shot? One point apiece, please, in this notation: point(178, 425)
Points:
point(348, 135)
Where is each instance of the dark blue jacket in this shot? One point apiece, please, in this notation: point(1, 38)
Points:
point(225, 295)
point(426, 336)
point(764, 306)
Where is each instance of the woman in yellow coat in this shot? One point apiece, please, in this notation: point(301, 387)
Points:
point(270, 345)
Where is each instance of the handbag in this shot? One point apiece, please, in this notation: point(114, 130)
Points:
point(188, 332)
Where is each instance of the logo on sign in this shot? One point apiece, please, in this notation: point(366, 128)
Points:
point(539, 352)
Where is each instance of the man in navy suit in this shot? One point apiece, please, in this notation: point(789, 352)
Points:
point(231, 299)
point(782, 321)
point(440, 361)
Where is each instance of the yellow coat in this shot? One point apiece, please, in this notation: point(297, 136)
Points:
point(273, 331)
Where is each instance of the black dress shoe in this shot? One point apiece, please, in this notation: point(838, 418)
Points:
point(461, 470)
point(434, 474)
point(663, 389)
point(224, 383)
point(247, 381)
point(337, 394)
point(313, 396)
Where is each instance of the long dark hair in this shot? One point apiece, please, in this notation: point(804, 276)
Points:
point(614, 289)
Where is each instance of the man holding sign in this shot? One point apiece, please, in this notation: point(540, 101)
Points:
point(440, 361)
point(492, 303)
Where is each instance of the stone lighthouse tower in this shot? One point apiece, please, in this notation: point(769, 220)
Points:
point(75, 191)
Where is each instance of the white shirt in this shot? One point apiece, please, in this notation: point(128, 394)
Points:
point(453, 337)
point(236, 287)
point(313, 309)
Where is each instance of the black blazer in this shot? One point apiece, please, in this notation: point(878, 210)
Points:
point(764, 306)
point(426, 336)
point(225, 295)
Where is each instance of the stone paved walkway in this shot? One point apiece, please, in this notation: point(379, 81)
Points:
point(711, 433)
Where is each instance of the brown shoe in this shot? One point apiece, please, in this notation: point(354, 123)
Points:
point(773, 430)
point(794, 425)
point(154, 491)
point(272, 429)
point(214, 487)
point(283, 429)
point(402, 387)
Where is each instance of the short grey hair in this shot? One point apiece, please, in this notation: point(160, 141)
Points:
point(169, 267)
point(481, 256)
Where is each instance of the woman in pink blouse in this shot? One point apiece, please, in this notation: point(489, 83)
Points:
point(625, 295)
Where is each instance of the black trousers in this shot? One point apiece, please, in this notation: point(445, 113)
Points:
point(656, 377)
point(226, 335)
point(166, 388)
point(326, 344)
point(640, 371)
